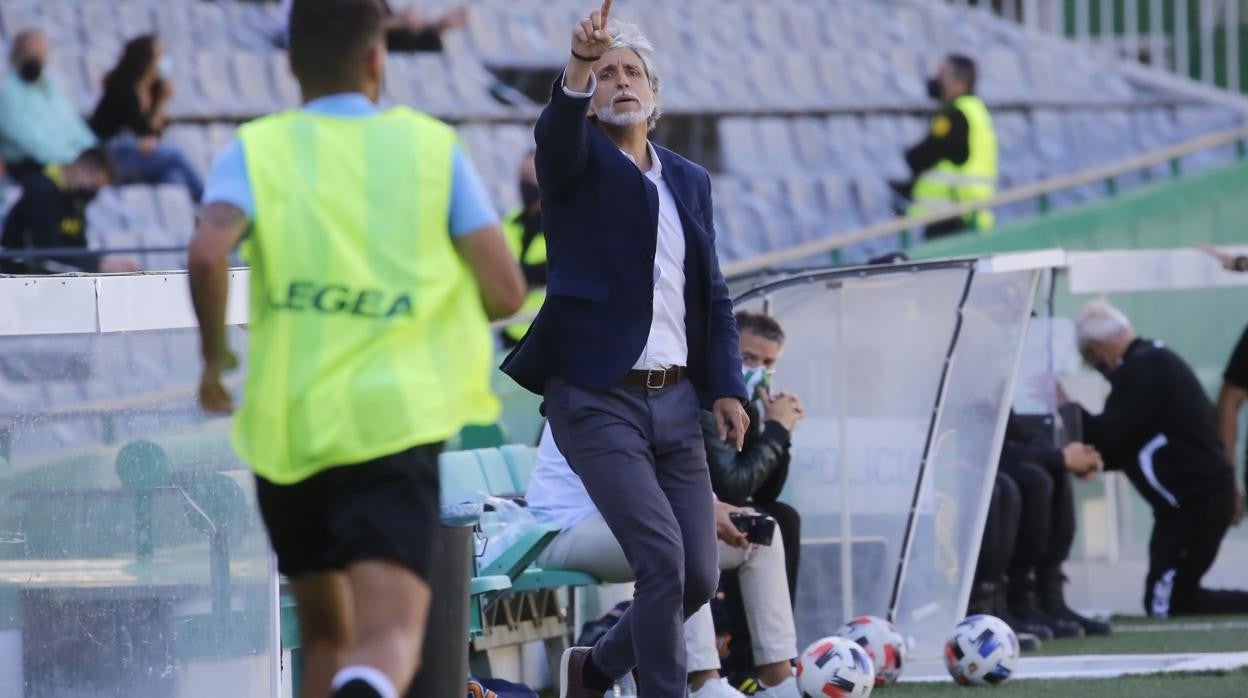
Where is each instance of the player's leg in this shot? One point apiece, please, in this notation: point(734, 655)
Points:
point(391, 607)
point(296, 517)
point(323, 606)
point(383, 520)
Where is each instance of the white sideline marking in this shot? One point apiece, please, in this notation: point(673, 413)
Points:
point(1095, 666)
point(1185, 627)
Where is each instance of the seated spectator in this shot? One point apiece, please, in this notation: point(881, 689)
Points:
point(131, 115)
point(1028, 535)
point(1158, 427)
point(755, 476)
point(51, 214)
point(408, 31)
point(38, 124)
point(556, 495)
point(1046, 533)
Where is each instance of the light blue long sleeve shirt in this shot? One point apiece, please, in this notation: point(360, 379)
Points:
point(38, 122)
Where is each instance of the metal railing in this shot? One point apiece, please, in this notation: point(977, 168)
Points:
point(1041, 190)
point(1155, 33)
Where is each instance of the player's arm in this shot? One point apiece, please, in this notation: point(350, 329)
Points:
point(498, 276)
point(217, 232)
point(475, 232)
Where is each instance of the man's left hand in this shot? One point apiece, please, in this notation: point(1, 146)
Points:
point(725, 529)
point(731, 420)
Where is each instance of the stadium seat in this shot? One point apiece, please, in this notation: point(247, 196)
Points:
point(460, 472)
point(520, 460)
point(498, 477)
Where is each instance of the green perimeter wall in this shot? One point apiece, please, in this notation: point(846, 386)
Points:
point(1209, 206)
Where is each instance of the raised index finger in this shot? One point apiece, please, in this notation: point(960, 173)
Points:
point(605, 12)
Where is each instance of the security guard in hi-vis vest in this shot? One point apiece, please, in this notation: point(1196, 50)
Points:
point(956, 162)
point(523, 229)
point(377, 263)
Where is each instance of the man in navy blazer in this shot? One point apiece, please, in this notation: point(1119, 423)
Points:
point(636, 335)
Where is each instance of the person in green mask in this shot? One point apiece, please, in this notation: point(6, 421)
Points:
point(377, 263)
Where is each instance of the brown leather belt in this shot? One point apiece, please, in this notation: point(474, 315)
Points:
point(657, 378)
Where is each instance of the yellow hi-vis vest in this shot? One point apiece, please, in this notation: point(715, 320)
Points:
point(948, 184)
point(368, 336)
point(513, 230)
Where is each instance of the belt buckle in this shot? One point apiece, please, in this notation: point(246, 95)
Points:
point(662, 378)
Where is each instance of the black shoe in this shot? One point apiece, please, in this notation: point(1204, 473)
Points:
point(1027, 642)
point(1025, 626)
point(1024, 606)
point(1020, 624)
point(1053, 603)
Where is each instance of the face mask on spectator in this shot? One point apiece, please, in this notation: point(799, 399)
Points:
point(933, 88)
point(165, 66)
point(756, 378)
point(30, 69)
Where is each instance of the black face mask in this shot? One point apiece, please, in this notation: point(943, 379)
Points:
point(933, 88)
point(30, 69)
point(1102, 368)
point(529, 193)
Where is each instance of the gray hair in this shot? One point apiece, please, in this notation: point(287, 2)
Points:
point(1100, 322)
point(628, 35)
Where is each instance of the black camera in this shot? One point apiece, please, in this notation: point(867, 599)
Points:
point(759, 529)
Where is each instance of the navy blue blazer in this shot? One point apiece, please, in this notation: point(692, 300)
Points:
point(600, 215)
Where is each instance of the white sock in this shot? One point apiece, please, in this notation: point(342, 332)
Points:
point(369, 675)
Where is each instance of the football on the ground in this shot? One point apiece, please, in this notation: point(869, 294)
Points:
point(883, 643)
point(835, 667)
point(982, 650)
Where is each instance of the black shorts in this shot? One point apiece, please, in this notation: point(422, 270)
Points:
point(384, 509)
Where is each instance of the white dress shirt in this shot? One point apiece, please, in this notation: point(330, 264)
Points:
point(667, 344)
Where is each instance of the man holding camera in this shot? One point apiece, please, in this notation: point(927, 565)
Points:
point(748, 543)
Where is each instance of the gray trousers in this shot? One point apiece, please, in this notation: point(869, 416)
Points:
point(641, 457)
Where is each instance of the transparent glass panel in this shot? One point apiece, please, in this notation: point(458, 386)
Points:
point(864, 354)
point(966, 444)
point(132, 558)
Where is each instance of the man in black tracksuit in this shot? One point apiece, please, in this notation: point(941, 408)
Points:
point(1158, 427)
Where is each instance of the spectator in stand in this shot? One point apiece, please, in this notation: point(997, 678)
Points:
point(51, 214)
point(131, 116)
point(408, 31)
point(38, 124)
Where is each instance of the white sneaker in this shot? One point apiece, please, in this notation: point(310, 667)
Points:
point(718, 688)
point(787, 689)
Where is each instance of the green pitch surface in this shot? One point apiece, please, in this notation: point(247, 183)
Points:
point(1131, 636)
point(1212, 685)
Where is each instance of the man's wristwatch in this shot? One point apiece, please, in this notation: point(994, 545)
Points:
point(1240, 263)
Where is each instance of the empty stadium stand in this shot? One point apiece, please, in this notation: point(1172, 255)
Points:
point(799, 107)
point(809, 102)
